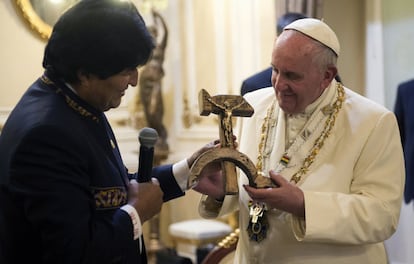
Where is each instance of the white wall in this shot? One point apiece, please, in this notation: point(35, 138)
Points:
point(21, 55)
point(398, 19)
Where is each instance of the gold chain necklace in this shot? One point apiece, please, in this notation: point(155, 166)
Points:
point(318, 144)
point(263, 139)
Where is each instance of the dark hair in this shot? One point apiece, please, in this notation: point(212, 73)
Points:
point(286, 19)
point(101, 37)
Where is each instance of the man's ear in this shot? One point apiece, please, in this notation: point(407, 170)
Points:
point(83, 76)
point(330, 73)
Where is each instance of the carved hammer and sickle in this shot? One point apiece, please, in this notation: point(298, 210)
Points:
point(226, 106)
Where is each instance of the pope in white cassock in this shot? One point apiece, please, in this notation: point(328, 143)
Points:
point(334, 156)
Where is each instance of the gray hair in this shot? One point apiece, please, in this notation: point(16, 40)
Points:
point(324, 56)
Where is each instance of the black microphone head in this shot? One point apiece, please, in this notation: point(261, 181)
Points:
point(147, 137)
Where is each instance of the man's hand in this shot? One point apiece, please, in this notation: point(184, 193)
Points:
point(287, 197)
point(211, 145)
point(146, 198)
point(211, 181)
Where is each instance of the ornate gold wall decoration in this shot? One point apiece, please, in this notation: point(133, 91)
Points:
point(41, 15)
point(33, 19)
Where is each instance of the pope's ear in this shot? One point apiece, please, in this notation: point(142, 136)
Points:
point(330, 74)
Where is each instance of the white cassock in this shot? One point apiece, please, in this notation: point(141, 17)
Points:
point(353, 189)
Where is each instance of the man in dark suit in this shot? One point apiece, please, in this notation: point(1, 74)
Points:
point(262, 79)
point(65, 194)
point(404, 107)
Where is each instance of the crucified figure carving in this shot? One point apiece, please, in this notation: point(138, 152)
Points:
point(226, 122)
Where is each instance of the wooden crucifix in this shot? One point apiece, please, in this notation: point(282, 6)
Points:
point(226, 107)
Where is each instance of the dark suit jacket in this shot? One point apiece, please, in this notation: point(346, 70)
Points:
point(62, 183)
point(259, 80)
point(404, 109)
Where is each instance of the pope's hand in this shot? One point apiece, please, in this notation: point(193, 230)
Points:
point(286, 197)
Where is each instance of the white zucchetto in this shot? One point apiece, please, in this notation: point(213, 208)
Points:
point(317, 30)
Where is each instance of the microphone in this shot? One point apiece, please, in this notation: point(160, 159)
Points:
point(147, 138)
